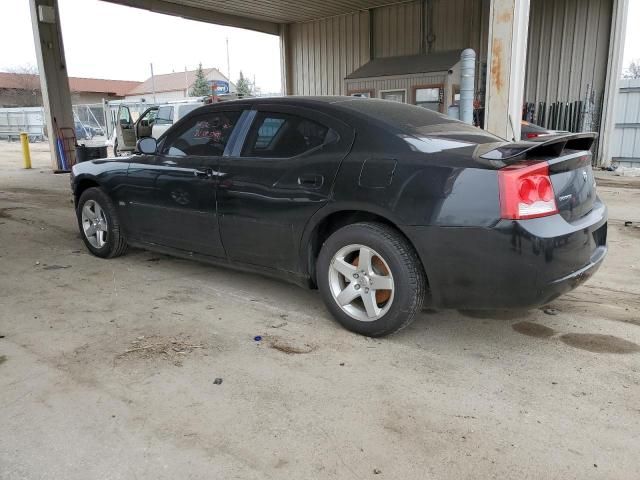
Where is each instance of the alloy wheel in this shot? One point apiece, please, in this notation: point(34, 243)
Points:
point(94, 224)
point(361, 282)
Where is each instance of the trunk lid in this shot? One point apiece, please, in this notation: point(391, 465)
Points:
point(573, 184)
point(569, 159)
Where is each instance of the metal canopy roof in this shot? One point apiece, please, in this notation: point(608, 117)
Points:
point(260, 15)
point(408, 64)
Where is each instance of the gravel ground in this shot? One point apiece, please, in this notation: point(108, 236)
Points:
point(146, 367)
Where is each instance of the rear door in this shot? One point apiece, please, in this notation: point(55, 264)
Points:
point(278, 175)
point(125, 129)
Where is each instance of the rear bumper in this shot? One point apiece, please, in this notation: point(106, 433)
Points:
point(515, 264)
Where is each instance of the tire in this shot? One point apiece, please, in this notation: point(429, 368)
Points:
point(97, 213)
point(116, 153)
point(373, 312)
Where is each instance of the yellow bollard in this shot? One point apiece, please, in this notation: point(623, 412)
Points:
point(26, 154)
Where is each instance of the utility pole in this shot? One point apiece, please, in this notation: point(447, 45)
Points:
point(186, 83)
point(228, 63)
point(153, 84)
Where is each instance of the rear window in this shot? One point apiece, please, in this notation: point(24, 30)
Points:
point(416, 120)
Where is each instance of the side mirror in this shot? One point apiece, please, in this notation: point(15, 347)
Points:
point(147, 145)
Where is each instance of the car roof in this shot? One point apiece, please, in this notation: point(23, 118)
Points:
point(392, 117)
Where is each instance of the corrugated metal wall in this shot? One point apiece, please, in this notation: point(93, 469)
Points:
point(626, 136)
point(567, 49)
point(325, 51)
point(459, 24)
point(568, 45)
point(398, 29)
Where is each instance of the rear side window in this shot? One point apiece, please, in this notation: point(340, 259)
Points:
point(280, 135)
point(165, 116)
point(202, 135)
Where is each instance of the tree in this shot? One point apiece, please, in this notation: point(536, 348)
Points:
point(633, 70)
point(200, 86)
point(244, 86)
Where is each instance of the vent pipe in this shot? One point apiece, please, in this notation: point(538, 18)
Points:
point(467, 84)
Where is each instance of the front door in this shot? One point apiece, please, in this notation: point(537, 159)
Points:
point(275, 180)
point(171, 196)
point(125, 130)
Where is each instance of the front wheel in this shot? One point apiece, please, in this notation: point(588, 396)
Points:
point(371, 279)
point(99, 224)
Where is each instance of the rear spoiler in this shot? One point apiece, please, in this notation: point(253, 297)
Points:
point(536, 148)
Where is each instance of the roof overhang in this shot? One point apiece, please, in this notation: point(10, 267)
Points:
point(439, 62)
point(262, 16)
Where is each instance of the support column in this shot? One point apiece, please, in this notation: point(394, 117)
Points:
point(614, 69)
point(285, 60)
point(506, 63)
point(52, 68)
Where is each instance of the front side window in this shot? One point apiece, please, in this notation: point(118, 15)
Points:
point(202, 135)
point(165, 116)
point(124, 116)
point(280, 135)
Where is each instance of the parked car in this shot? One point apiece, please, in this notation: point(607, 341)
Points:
point(153, 122)
point(530, 131)
point(378, 204)
point(82, 131)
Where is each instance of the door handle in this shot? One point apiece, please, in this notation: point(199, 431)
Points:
point(310, 180)
point(205, 173)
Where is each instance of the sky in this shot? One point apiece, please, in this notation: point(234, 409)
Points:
point(632, 42)
point(135, 38)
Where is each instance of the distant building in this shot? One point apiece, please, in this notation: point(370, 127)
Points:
point(23, 89)
point(176, 86)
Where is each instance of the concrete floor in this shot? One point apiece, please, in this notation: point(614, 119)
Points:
point(107, 367)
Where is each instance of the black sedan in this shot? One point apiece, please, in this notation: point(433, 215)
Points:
point(379, 205)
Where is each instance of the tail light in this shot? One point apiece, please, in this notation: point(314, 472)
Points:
point(533, 135)
point(526, 191)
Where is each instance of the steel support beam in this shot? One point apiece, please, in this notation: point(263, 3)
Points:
point(52, 68)
point(286, 66)
point(506, 64)
point(614, 69)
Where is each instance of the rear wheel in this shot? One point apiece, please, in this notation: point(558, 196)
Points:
point(99, 224)
point(370, 279)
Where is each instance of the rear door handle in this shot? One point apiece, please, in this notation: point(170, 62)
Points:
point(311, 180)
point(205, 173)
